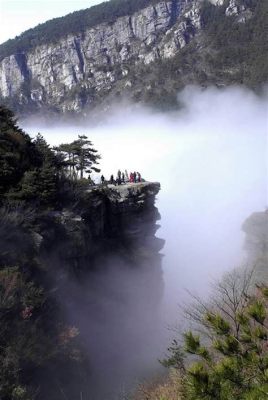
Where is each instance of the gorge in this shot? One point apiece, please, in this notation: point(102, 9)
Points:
point(94, 276)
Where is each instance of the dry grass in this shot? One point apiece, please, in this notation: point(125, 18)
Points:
point(168, 388)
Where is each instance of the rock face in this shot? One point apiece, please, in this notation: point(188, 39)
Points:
point(70, 75)
point(111, 219)
point(256, 244)
point(99, 57)
point(97, 264)
point(114, 284)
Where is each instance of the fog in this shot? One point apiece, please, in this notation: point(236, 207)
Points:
point(211, 160)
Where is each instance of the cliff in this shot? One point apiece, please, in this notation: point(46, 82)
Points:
point(118, 58)
point(80, 287)
point(109, 220)
point(256, 243)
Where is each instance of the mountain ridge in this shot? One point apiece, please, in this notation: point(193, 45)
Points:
point(145, 56)
point(73, 22)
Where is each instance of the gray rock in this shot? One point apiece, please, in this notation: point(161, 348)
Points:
point(59, 74)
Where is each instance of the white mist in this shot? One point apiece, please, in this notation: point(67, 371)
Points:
point(211, 161)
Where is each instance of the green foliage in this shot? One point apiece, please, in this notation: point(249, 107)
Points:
point(32, 172)
point(257, 311)
point(17, 152)
point(79, 156)
point(221, 326)
point(35, 338)
point(233, 365)
point(192, 343)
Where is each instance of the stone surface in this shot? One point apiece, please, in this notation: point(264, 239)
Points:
point(99, 263)
point(256, 242)
point(67, 76)
point(56, 73)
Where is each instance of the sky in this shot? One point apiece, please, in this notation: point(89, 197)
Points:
point(16, 16)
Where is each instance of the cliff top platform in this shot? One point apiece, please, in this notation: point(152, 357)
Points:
point(126, 189)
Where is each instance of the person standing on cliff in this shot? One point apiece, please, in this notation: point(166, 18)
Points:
point(102, 180)
point(123, 177)
point(139, 176)
point(135, 177)
point(112, 180)
point(119, 175)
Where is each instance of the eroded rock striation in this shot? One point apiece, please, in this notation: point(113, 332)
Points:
point(79, 70)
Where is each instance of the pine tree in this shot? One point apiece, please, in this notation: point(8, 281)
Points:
point(80, 156)
point(234, 364)
point(17, 152)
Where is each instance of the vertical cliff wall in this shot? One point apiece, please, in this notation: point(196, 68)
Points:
point(105, 262)
point(78, 70)
point(256, 243)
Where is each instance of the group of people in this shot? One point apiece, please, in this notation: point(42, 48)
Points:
point(123, 177)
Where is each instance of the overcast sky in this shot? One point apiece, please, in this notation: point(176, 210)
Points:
point(16, 16)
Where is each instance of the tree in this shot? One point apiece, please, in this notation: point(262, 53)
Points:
point(231, 360)
point(40, 182)
point(80, 156)
point(17, 152)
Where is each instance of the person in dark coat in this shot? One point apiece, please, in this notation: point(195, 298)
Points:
point(112, 180)
point(139, 176)
point(102, 179)
point(123, 177)
point(135, 177)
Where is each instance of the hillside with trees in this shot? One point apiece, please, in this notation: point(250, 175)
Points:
point(58, 236)
point(32, 172)
point(145, 59)
point(74, 23)
point(36, 342)
point(225, 354)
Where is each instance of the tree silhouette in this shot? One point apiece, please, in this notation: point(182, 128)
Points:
point(80, 156)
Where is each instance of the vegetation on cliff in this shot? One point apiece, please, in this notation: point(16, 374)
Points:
point(225, 355)
point(33, 172)
point(227, 49)
point(240, 47)
point(225, 53)
point(35, 339)
point(74, 23)
point(58, 235)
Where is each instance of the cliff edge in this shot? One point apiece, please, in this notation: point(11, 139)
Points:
point(80, 287)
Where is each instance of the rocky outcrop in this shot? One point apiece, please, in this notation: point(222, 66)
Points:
point(98, 265)
point(112, 291)
point(107, 220)
point(98, 58)
point(256, 242)
point(240, 11)
point(70, 75)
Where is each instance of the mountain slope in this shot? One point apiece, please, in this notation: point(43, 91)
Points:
point(144, 50)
